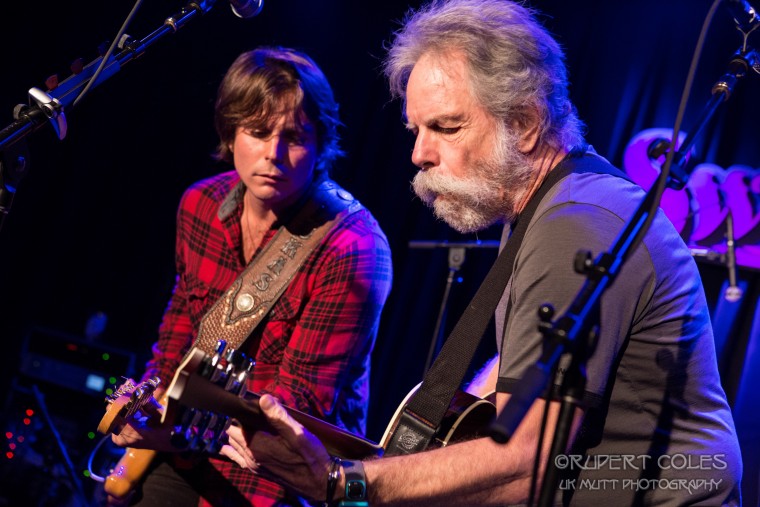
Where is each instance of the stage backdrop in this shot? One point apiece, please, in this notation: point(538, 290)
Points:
point(86, 252)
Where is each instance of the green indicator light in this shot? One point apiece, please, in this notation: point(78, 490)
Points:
point(91, 435)
point(109, 391)
point(111, 380)
point(106, 356)
point(86, 473)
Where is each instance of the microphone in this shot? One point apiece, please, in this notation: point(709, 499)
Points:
point(246, 8)
point(744, 14)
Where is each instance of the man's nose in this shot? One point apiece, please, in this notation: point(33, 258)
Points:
point(276, 147)
point(425, 152)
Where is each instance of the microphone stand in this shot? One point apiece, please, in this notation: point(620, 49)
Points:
point(49, 106)
point(576, 331)
point(457, 255)
point(78, 491)
point(733, 291)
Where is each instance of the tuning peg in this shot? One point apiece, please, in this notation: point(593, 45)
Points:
point(235, 357)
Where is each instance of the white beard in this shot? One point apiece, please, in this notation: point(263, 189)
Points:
point(488, 194)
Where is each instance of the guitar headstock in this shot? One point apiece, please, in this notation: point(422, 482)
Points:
point(199, 428)
point(125, 402)
point(195, 394)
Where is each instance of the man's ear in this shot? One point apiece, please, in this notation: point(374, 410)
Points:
point(528, 128)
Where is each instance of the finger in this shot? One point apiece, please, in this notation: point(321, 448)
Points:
point(121, 440)
point(245, 433)
point(242, 449)
point(238, 440)
point(271, 407)
point(296, 436)
point(112, 501)
point(279, 417)
point(233, 454)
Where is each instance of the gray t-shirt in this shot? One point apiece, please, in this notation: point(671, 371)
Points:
point(658, 430)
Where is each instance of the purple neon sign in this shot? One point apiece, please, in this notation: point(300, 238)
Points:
point(699, 211)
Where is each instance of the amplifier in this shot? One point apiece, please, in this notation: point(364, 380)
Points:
point(72, 362)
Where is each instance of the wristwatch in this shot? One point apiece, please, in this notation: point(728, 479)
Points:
point(356, 485)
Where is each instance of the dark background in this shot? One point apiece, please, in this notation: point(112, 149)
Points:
point(91, 229)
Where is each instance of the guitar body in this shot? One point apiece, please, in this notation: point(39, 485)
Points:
point(131, 466)
point(128, 472)
point(465, 418)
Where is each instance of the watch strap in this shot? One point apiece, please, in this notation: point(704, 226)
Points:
point(355, 494)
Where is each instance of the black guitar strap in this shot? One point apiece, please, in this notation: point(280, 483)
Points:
point(423, 414)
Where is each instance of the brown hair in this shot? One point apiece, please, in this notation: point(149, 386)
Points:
point(266, 82)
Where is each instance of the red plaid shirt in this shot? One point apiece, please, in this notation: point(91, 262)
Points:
point(315, 346)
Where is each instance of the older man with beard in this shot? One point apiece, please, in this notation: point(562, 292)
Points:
point(485, 90)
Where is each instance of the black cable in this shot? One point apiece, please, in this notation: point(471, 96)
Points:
point(108, 54)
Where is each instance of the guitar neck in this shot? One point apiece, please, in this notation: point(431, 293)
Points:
point(202, 394)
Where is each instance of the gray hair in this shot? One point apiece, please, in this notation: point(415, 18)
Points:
point(514, 63)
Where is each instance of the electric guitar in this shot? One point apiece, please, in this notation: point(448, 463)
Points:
point(125, 404)
point(200, 429)
point(191, 430)
point(193, 396)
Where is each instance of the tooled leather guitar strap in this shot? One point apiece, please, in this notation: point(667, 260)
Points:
point(247, 301)
point(422, 416)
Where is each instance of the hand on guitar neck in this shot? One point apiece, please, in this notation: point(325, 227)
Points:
point(146, 426)
point(203, 401)
point(217, 383)
point(297, 459)
point(133, 416)
point(146, 431)
point(133, 419)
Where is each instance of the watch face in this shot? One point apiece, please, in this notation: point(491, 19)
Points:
point(355, 490)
